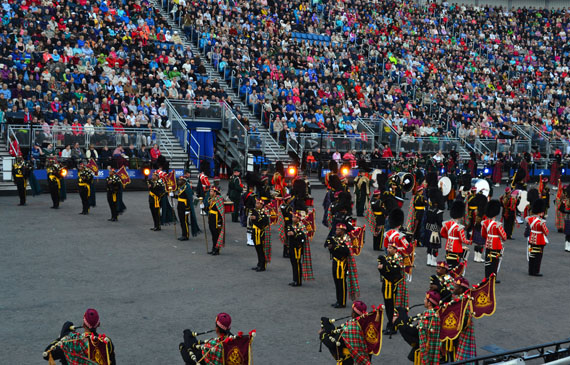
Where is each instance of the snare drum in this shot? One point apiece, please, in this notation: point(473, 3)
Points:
point(309, 202)
point(228, 207)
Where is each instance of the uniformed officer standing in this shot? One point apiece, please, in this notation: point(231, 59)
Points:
point(537, 237)
point(20, 172)
point(183, 208)
point(113, 186)
point(85, 179)
point(377, 220)
point(494, 235)
point(156, 190)
point(235, 189)
point(259, 221)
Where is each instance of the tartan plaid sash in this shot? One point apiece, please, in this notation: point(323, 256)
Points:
point(353, 287)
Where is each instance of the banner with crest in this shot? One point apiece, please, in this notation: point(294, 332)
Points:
point(452, 315)
point(484, 302)
point(237, 350)
point(123, 175)
point(357, 239)
point(372, 330)
point(170, 181)
point(309, 222)
point(92, 165)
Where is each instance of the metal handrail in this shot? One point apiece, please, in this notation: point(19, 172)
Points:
point(472, 147)
point(196, 154)
point(522, 131)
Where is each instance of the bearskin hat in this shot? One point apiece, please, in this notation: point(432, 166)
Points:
point(235, 166)
point(493, 208)
point(520, 174)
point(279, 168)
point(436, 197)
point(363, 166)
point(532, 196)
point(396, 218)
point(539, 206)
point(205, 167)
point(299, 188)
point(466, 181)
point(333, 166)
point(431, 179)
point(253, 180)
point(457, 209)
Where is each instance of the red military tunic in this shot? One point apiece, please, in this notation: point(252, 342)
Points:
point(538, 231)
point(204, 181)
point(396, 237)
point(493, 233)
point(455, 234)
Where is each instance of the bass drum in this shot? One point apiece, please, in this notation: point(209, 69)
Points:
point(523, 200)
point(407, 181)
point(445, 185)
point(482, 186)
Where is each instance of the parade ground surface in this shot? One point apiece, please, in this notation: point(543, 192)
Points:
point(148, 287)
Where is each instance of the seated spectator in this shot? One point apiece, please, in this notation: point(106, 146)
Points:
point(106, 158)
point(37, 156)
point(154, 155)
point(144, 154)
point(66, 154)
point(92, 153)
point(133, 155)
point(76, 154)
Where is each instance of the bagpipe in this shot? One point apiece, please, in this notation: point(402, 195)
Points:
point(409, 331)
point(235, 349)
point(97, 348)
point(331, 337)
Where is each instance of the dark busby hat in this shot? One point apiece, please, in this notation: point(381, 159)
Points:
point(396, 218)
point(493, 208)
point(457, 209)
point(253, 179)
point(539, 206)
point(279, 168)
point(363, 166)
point(532, 196)
point(431, 179)
point(205, 167)
point(333, 166)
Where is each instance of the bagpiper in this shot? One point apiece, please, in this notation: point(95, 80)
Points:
point(89, 347)
point(297, 236)
point(84, 181)
point(419, 209)
point(429, 327)
point(537, 233)
point(350, 343)
point(465, 343)
point(259, 221)
point(249, 198)
point(494, 235)
point(376, 219)
point(544, 193)
point(216, 220)
point(454, 232)
point(224, 349)
point(55, 173)
point(564, 208)
point(20, 172)
point(183, 207)
point(235, 189)
point(343, 265)
point(334, 185)
point(509, 204)
point(156, 190)
point(361, 189)
point(113, 184)
point(433, 224)
point(391, 268)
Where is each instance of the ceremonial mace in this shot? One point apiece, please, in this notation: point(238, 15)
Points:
point(203, 214)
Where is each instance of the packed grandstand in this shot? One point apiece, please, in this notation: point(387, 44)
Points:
point(428, 70)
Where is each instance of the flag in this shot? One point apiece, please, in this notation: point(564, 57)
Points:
point(372, 330)
point(452, 315)
point(170, 181)
point(237, 349)
point(92, 165)
point(357, 239)
point(484, 301)
point(273, 214)
point(123, 175)
point(309, 222)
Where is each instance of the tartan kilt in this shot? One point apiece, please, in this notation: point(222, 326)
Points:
point(401, 296)
point(567, 226)
point(466, 347)
point(559, 218)
point(478, 238)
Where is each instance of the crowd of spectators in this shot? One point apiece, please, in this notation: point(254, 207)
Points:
point(425, 69)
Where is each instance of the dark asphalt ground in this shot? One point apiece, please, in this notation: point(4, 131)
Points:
point(148, 287)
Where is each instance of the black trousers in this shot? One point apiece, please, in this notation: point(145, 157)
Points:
point(235, 213)
point(155, 212)
point(112, 199)
point(214, 230)
point(84, 195)
point(296, 256)
point(509, 224)
point(389, 293)
point(378, 240)
point(183, 218)
point(492, 260)
point(339, 277)
point(21, 185)
point(54, 192)
point(535, 259)
point(260, 255)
